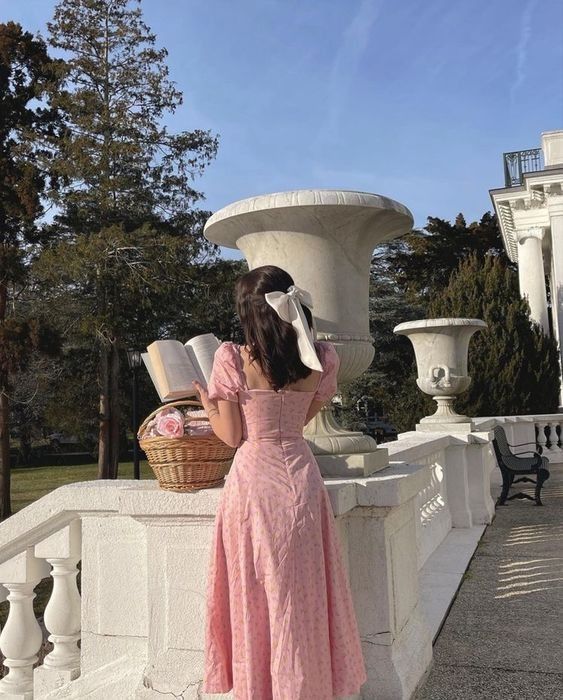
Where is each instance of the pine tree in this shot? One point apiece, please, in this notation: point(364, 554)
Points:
point(424, 259)
point(513, 365)
point(128, 202)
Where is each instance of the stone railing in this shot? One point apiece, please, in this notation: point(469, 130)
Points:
point(40, 541)
point(544, 431)
point(407, 533)
point(145, 555)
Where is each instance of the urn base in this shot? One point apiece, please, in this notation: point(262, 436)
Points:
point(445, 412)
point(341, 452)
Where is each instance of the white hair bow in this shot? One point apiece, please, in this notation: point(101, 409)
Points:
point(288, 307)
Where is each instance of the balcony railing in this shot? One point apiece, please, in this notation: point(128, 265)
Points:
point(519, 162)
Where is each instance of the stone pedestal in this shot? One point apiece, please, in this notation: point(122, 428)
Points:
point(324, 239)
point(480, 460)
point(457, 485)
point(381, 537)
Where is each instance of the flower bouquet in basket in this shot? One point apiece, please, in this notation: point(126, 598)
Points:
point(182, 449)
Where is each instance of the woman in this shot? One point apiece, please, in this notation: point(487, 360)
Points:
point(280, 619)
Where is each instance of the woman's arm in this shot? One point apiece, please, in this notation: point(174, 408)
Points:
point(224, 417)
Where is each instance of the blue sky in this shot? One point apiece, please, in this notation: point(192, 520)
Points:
point(416, 100)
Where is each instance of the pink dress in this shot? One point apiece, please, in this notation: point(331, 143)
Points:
point(280, 621)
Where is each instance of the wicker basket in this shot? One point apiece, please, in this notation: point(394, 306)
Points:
point(186, 463)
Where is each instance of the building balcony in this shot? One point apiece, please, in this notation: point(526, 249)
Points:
point(517, 163)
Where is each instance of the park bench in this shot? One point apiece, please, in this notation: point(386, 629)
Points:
point(512, 465)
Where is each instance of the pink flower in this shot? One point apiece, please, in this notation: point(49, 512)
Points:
point(170, 422)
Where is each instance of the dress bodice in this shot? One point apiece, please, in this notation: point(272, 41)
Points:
point(270, 415)
point(267, 414)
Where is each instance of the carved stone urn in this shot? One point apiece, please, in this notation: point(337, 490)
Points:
point(441, 346)
point(324, 239)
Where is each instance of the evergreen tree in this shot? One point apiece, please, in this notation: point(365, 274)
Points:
point(407, 275)
point(424, 260)
point(26, 73)
point(127, 204)
point(513, 365)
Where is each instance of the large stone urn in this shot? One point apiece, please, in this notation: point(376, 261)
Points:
point(441, 346)
point(324, 239)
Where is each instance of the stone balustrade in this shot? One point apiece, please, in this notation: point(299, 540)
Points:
point(407, 533)
point(543, 433)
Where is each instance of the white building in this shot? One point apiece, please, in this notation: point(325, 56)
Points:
point(530, 213)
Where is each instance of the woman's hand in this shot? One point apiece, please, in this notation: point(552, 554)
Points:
point(203, 395)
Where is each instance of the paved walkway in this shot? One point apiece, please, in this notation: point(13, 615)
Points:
point(503, 637)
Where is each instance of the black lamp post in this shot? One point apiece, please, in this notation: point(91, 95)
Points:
point(134, 360)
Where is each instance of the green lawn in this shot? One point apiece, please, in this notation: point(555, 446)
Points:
point(30, 483)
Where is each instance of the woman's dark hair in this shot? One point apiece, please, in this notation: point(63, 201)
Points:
point(272, 342)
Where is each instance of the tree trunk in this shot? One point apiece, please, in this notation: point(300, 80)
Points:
point(104, 434)
point(114, 409)
point(5, 506)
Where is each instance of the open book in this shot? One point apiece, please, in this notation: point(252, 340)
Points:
point(173, 366)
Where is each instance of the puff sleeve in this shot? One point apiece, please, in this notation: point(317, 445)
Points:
point(224, 381)
point(331, 362)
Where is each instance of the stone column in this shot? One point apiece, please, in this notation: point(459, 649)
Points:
point(531, 273)
point(555, 207)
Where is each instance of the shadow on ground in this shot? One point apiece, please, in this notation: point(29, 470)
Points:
point(503, 637)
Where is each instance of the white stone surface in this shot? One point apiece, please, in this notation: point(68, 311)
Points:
point(552, 147)
point(441, 347)
point(21, 637)
point(480, 458)
point(351, 464)
point(384, 580)
point(555, 208)
point(531, 273)
point(62, 615)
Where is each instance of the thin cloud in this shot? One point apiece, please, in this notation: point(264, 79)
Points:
point(355, 40)
point(522, 48)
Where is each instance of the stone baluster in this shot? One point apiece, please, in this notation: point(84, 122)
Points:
point(62, 614)
point(541, 439)
point(553, 436)
point(22, 636)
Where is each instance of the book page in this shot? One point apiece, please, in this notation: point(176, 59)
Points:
point(201, 350)
point(173, 369)
point(147, 360)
